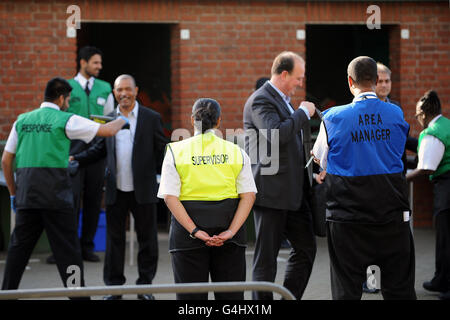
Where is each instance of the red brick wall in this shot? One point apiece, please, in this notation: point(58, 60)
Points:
point(232, 44)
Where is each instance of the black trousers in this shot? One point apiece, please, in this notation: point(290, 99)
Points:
point(146, 230)
point(61, 230)
point(271, 225)
point(441, 213)
point(88, 190)
point(353, 247)
point(441, 277)
point(225, 263)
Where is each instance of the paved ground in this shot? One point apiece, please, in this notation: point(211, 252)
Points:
point(41, 275)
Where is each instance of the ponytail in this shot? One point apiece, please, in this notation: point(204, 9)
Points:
point(207, 112)
point(430, 103)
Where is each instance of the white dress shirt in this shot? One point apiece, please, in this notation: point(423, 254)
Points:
point(124, 152)
point(287, 101)
point(77, 127)
point(431, 150)
point(171, 183)
point(108, 105)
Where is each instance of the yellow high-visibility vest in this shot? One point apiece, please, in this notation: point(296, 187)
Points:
point(208, 167)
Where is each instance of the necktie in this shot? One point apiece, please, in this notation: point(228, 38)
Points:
point(86, 89)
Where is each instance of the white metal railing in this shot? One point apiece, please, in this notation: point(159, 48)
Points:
point(198, 287)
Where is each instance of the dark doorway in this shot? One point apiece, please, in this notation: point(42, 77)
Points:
point(143, 51)
point(139, 49)
point(329, 50)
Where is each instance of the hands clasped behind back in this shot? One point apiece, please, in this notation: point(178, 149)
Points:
point(215, 240)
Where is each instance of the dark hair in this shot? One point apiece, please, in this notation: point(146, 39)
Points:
point(430, 103)
point(285, 61)
point(86, 53)
point(55, 88)
point(363, 70)
point(206, 111)
point(260, 82)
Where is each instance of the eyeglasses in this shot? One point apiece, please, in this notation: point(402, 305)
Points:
point(418, 114)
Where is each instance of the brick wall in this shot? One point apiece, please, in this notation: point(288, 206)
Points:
point(232, 44)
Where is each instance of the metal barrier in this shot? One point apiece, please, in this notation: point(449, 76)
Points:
point(198, 287)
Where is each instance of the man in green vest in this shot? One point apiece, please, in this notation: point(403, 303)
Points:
point(41, 195)
point(434, 160)
point(90, 96)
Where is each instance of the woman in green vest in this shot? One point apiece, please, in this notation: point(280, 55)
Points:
point(208, 186)
point(434, 160)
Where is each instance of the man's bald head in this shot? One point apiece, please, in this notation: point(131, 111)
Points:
point(288, 71)
point(125, 91)
point(122, 77)
point(285, 61)
point(363, 71)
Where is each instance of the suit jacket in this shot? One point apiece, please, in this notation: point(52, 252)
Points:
point(148, 152)
point(265, 109)
point(411, 143)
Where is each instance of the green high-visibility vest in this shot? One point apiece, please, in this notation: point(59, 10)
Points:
point(42, 140)
point(42, 153)
point(82, 104)
point(440, 130)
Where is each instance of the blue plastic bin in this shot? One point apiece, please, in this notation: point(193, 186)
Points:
point(100, 235)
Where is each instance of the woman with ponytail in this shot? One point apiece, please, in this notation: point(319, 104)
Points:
point(207, 184)
point(434, 160)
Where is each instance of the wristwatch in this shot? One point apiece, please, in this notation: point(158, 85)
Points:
point(192, 234)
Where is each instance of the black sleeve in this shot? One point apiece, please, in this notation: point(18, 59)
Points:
point(265, 116)
point(160, 142)
point(411, 144)
point(95, 152)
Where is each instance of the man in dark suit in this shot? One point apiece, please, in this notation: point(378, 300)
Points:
point(132, 159)
point(281, 207)
point(383, 89)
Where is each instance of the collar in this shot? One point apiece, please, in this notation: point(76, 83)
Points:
point(434, 120)
point(82, 80)
point(51, 105)
point(285, 97)
point(197, 132)
point(365, 95)
point(133, 112)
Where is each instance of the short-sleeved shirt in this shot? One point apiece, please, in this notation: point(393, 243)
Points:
point(77, 127)
point(171, 183)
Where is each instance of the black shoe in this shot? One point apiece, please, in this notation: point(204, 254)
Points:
point(51, 259)
point(91, 257)
point(110, 297)
point(145, 297)
point(367, 290)
point(430, 286)
point(444, 295)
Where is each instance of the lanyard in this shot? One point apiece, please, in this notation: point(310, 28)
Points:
point(366, 96)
